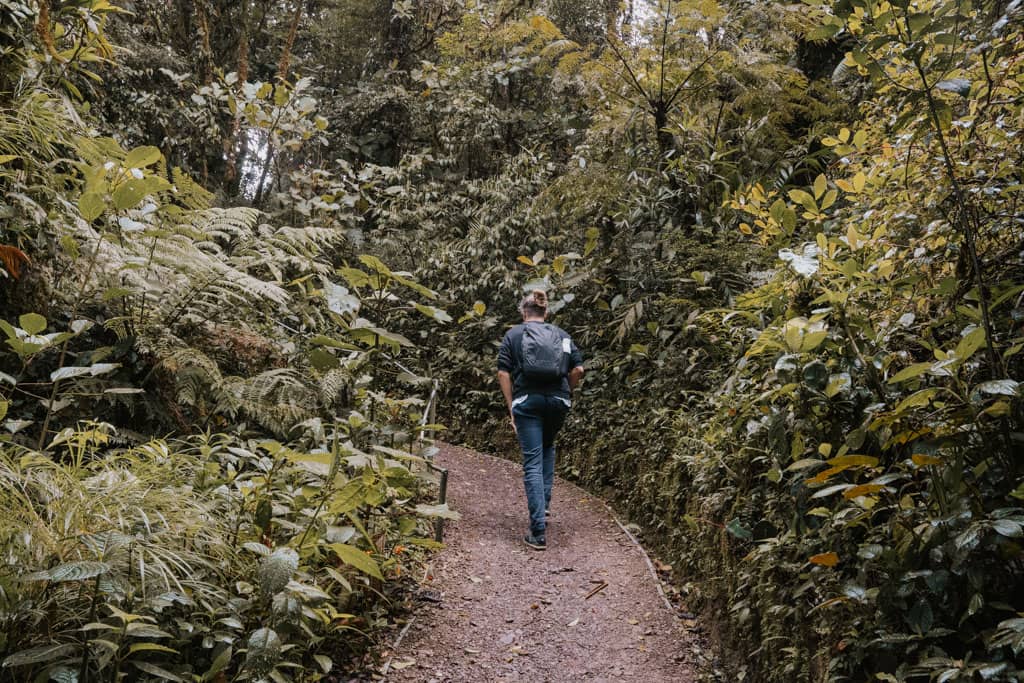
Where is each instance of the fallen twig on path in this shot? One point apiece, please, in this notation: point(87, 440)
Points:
point(650, 565)
point(595, 591)
point(398, 641)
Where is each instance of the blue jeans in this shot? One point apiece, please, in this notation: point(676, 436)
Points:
point(538, 419)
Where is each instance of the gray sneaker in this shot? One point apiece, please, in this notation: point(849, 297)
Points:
point(535, 542)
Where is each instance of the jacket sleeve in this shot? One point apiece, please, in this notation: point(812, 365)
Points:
point(505, 361)
point(575, 355)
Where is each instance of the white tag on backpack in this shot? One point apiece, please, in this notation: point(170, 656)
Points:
point(566, 345)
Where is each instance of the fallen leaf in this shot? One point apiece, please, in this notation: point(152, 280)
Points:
point(633, 622)
point(825, 559)
point(476, 579)
point(573, 622)
point(404, 664)
point(470, 651)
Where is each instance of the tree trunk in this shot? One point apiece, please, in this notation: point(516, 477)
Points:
point(289, 43)
point(204, 35)
point(232, 142)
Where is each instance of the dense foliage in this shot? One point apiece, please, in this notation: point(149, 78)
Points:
point(271, 535)
point(788, 239)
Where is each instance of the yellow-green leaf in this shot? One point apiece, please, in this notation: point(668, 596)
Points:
point(910, 372)
point(151, 647)
point(824, 476)
point(33, 323)
point(918, 398)
point(820, 185)
point(862, 490)
point(141, 157)
point(355, 557)
point(91, 206)
point(853, 461)
point(558, 265)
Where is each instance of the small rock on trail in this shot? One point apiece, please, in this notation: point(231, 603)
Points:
point(586, 609)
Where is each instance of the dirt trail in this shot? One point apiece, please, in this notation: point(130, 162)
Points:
point(509, 613)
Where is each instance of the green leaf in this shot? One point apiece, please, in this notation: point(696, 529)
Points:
point(33, 323)
point(736, 528)
point(276, 570)
point(820, 185)
point(324, 662)
point(1000, 387)
point(442, 511)
point(129, 194)
point(920, 617)
point(150, 647)
point(1008, 527)
point(38, 655)
point(141, 157)
point(91, 206)
point(68, 373)
point(355, 557)
point(918, 398)
point(154, 670)
point(322, 361)
point(960, 86)
point(263, 651)
point(944, 113)
point(433, 312)
point(220, 662)
point(138, 629)
point(804, 199)
point(919, 21)
point(805, 463)
point(70, 571)
point(375, 336)
point(816, 375)
point(970, 343)
point(910, 372)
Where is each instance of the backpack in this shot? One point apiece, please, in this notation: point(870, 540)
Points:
point(545, 352)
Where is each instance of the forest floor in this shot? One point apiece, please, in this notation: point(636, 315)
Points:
point(586, 609)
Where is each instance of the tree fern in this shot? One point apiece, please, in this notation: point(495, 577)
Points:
point(276, 399)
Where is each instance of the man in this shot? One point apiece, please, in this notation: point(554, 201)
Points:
point(538, 367)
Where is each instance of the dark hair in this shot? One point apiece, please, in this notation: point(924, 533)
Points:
point(534, 304)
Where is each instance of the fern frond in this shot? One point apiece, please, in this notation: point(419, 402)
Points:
point(276, 399)
point(188, 192)
point(335, 387)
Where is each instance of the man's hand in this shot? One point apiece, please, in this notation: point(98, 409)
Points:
point(505, 382)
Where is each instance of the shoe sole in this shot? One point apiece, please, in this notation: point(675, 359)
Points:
point(536, 546)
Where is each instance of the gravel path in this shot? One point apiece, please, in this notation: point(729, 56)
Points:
point(509, 613)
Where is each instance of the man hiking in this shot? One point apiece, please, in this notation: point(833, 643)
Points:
point(538, 367)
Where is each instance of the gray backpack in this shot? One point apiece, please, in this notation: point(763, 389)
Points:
point(545, 352)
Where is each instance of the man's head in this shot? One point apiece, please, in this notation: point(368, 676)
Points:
point(534, 305)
